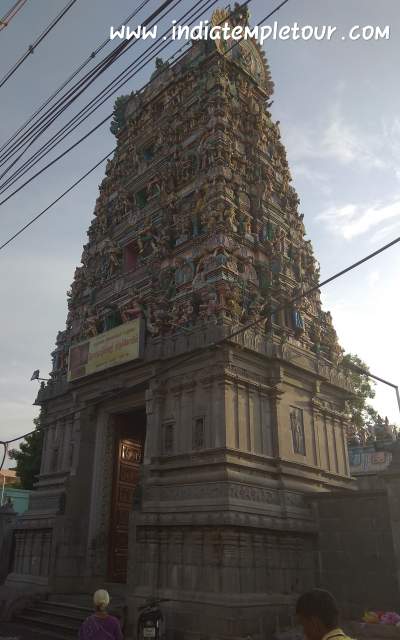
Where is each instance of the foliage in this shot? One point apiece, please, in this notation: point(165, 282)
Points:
point(28, 457)
point(363, 415)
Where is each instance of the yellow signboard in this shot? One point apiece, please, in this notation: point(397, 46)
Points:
point(109, 349)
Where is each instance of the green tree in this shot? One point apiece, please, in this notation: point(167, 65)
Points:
point(28, 457)
point(363, 415)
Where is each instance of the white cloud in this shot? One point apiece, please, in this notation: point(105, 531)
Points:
point(387, 232)
point(352, 220)
point(369, 329)
point(344, 143)
point(373, 278)
point(316, 178)
point(333, 138)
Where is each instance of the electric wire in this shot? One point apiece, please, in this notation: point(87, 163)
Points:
point(6, 19)
point(36, 43)
point(88, 106)
point(100, 99)
point(99, 95)
point(233, 334)
point(71, 77)
point(72, 94)
point(99, 124)
point(317, 287)
point(5, 445)
point(26, 226)
point(112, 151)
point(248, 326)
point(70, 188)
point(97, 102)
point(73, 146)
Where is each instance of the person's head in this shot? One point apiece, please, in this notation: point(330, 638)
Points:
point(317, 613)
point(101, 600)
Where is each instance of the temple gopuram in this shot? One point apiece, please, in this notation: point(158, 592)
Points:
point(179, 455)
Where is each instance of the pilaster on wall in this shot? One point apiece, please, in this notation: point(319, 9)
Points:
point(71, 528)
point(232, 407)
point(234, 580)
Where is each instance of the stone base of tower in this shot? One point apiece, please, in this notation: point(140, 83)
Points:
point(224, 574)
point(230, 444)
point(225, 543)
point(192, 615)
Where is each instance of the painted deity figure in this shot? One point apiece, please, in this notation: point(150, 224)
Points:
point(249, 271)
point(297, 428)
point(147, 238)
point(279, 241)
point(179, 272)
point(113, 253)
point(267, 231)
point(209, 308)
point(234, 308)
point(244, 223)
point(297, 319)
point(230, 217)
point(91, 323)
point(132, 309)
point(336, 354)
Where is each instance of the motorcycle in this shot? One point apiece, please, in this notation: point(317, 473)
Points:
point(151, 622)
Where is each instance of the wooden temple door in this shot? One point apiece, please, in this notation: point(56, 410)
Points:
point(128, 457)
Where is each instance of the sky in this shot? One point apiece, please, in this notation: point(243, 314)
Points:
point(337, 103)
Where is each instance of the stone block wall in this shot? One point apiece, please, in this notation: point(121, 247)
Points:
point(356, 551)
point(222, 581)
point(7, 523)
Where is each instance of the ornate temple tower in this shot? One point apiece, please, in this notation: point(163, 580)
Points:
point(177, 460)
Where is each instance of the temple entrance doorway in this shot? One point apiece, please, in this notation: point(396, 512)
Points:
point(130, 434)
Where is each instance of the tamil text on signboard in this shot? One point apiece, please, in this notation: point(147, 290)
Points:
point(109, 349)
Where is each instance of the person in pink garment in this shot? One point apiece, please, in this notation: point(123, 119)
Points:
point(101, 625)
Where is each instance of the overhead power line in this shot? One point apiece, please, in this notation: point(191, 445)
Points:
point(233, 334)
point(318, 286)
point(28, 138)
point(5, 444)
point(113, 150)
point(6, 19)
point(245, 327)
point(36, 43)
point(157, 47)
point(70, 78)
point(275, 10)
point(39, 215)
point(133, 69)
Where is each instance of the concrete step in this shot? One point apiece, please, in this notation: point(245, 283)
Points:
point(67, 621)
point(50, 628)
point(84, 600)
point(63, 609)
point(58, 620)
point(61, 619)
point(81, 601)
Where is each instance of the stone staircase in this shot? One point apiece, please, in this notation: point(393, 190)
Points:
point(58, 620)
point(60, 616)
